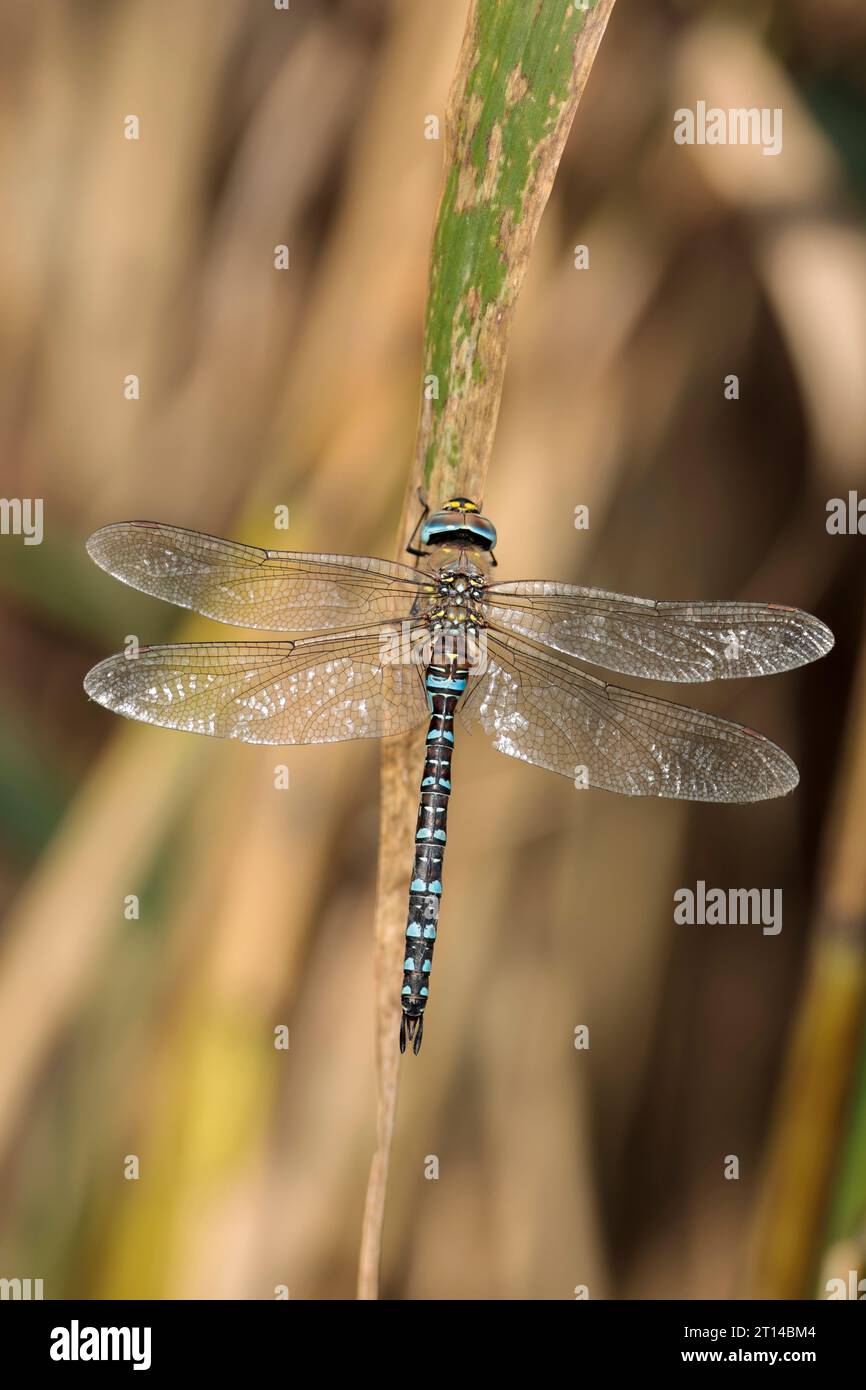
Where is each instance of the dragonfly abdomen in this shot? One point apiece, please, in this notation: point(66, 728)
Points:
point(444, 685)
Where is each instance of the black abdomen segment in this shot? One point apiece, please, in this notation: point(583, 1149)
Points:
point(444, 685)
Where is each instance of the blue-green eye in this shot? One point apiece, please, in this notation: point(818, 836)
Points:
point(458, 528)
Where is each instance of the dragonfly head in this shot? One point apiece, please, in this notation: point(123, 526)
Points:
point(459, 523)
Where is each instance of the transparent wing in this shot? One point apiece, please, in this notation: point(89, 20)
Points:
point(660, 641)
point(272, 589)
point(318, 690)
point(544, 711)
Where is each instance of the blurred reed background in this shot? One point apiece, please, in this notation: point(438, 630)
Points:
point(154, 1036)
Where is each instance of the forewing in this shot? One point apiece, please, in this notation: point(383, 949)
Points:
point(276, 590)
point(544, 711)
point(660, 641)
point(318, 690)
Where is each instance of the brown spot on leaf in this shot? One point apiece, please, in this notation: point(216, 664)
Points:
point(469, 191)
point(465, 188)
point(516, 87)
point(467, 178)
point(494, 163)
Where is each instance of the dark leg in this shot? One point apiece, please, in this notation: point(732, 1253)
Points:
point(425, 512)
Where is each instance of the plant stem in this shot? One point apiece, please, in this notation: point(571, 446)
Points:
point(520, 75)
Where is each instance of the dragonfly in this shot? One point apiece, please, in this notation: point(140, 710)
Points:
point(396, 645)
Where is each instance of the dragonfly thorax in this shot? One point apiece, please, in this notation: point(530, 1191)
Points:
point(456, 601)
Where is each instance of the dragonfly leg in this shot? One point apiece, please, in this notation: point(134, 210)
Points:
point(425, 512)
